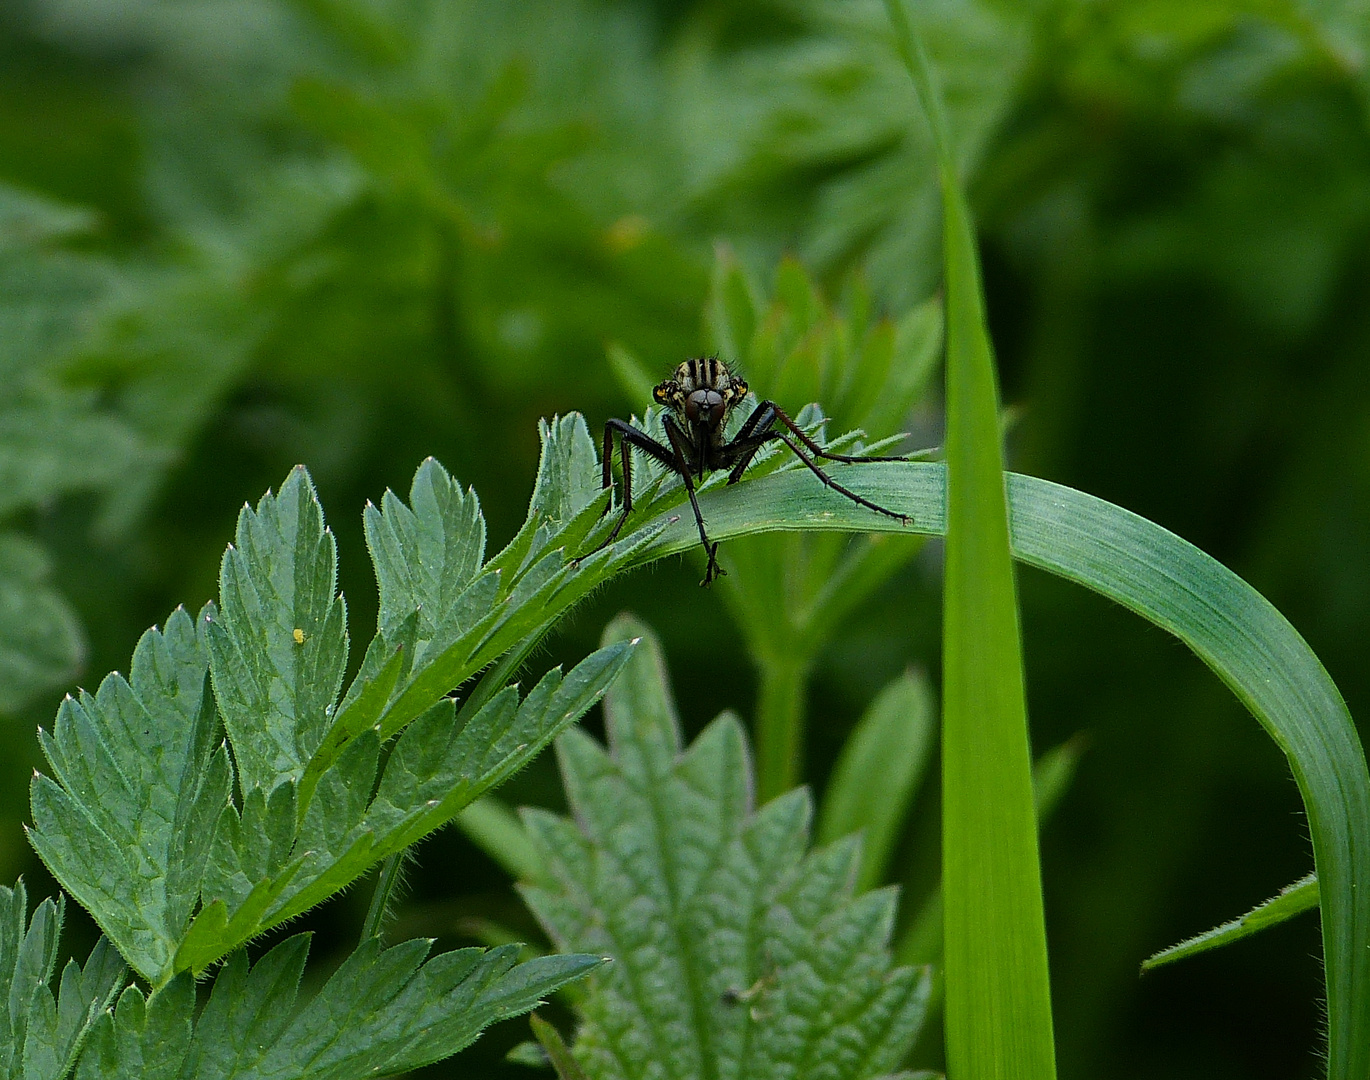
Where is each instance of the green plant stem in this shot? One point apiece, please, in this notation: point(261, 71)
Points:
point(387, 879)
point(780, 723)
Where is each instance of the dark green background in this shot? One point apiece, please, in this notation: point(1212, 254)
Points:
point(356, 233)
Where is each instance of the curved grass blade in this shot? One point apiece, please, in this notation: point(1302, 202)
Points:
point(1148, 569)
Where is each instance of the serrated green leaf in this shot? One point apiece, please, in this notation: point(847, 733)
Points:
point(735, 955)
point(383, 1011)
point(278, 640)
point(41, 1036)
point(878, 773)
point(263, 870)
point(568, 472)
point(125, 820)
point(1292, 900)
point(425, 554)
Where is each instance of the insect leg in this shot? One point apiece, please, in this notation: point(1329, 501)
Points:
point(830, 482)
point(777, 413)
point(628, 437)
point(682, 466)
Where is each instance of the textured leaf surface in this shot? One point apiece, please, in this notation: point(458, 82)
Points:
point(383, 1011)
point(278, 638)
point(136, 820)
point(735, 953)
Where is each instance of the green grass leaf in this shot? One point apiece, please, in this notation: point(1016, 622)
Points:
point(998, 986)
point(383, 1011)
point(1171, 583)
point(735, 952)
point(878, 772)
point(1292, 900)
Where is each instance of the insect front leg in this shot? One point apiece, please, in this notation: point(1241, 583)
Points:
point(629, 438)
point(682, 465)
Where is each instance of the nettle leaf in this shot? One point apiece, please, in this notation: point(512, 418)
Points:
point(736, 954)
point(41, 1036)
point(384, 1011)
point(139, 778)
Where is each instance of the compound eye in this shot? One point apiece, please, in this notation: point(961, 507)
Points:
point(704, 406)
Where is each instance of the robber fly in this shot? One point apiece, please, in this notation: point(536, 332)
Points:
point(700, 397)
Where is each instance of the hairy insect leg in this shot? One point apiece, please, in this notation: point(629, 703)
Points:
point(682, 465)
point(628, 437)
point(903, 519)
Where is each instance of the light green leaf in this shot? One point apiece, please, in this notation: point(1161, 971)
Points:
point(736, 954)
point(1292, 900)
point(878, 773)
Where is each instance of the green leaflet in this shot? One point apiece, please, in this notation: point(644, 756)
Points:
point(278, 638)
point(383, 1011)
point(736, 954)
point(41, 1036)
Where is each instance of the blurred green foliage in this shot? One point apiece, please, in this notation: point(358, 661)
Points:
point(236, 235)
